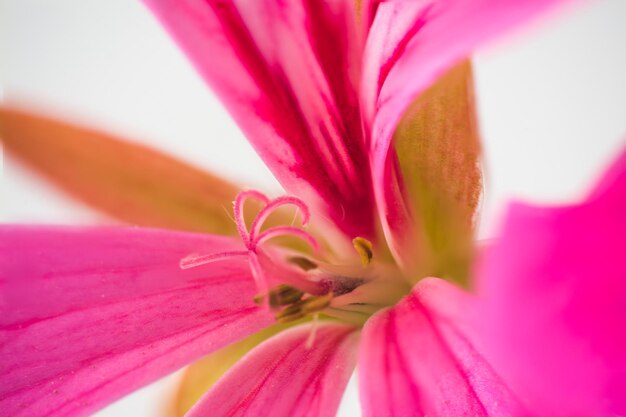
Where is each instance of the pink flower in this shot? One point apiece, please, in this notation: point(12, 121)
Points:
point(390, 182)
point(554, 302)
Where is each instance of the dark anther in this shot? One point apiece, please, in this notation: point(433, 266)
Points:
point(304, 263)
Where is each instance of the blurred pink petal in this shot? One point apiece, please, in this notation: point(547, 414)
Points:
point(285, 377)
point(411, 44)
point(556, 290)
point(88, 315)
point(288, 73)
point(419, 359)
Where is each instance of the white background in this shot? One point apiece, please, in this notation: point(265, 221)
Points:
point(552, 102)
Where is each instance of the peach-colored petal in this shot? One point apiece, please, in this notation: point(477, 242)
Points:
point(437, 150)
point(419, 358)
point(555, 286)
point(286, 376)
point(88, 315)
point(127, 181)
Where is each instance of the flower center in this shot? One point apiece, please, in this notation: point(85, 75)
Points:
point(294, 285)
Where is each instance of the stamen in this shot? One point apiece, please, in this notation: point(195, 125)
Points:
point(316, 303)
point(364, 249)
point(302, 308)
point(291, 313)
point(305, 263)
point(281, 296)
point(194, 260)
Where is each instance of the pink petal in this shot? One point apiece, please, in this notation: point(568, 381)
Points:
point(288, 73)
point(411, 44)
point(283, 377)
point(556, 286)
point(420, 359)
point(88, 315)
